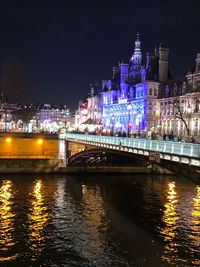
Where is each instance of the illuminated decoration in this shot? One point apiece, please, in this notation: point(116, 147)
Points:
point(84, 111)
point(122, 100)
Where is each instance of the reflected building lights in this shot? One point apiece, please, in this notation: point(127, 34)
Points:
point(84, 189)
point(170, 218)
point(37, 218)
point(94, 214)
point(6, 221)
point(195, 236)
point(60, 194)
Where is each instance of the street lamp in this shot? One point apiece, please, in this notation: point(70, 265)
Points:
point(158, 120)
point(139, 115)
point(189, 115)
point(113, 125)
point(129, 107)
point(189, 109)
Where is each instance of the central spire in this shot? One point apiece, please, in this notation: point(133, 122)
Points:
point(137, 55)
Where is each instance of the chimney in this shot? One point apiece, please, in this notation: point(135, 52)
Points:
point(163, 64)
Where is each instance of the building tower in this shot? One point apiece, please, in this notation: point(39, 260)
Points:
point(163, 64)
point(197, 63)
point(137, 55)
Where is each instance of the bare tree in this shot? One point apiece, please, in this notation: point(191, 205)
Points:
point(178, 113)
point(13, 83)
point(182, 114)
point(25, 114)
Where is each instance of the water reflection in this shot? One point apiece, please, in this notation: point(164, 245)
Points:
point(6, 220)
point(99, 221)
point(195, 235)
point(170, 218)
point(94, 216)
point(37, 218)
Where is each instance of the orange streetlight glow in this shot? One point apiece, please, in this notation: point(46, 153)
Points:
point(40, 141)
point(8, 139)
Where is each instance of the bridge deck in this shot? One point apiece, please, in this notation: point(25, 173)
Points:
point(174, 148)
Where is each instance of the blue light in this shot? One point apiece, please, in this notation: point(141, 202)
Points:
point(117, 117)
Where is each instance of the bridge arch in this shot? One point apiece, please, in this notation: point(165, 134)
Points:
point(106, 157)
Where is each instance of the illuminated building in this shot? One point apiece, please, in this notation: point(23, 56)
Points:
point(135, 86)
point(88, 115)
point(81, 113)
point(94, 107)
point(52, 118)
point(143, 99)
point(179, 106)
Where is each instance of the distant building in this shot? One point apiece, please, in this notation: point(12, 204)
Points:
point(54, 117)
point(89, 110)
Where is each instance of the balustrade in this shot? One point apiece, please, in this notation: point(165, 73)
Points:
point(176, 148)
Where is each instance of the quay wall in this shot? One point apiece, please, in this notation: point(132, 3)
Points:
point(28, 153)
point(8, 166)
point(18, 147)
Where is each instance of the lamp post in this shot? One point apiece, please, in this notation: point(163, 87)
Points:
point(139, 115)
point(158, 121)
point(189, 111)
point(113, 125)
point(129, 107)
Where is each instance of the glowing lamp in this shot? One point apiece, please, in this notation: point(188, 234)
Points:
point(129, 106)
point(189, 109)
point(84, 111)
point(39, 141)
point(8, 140)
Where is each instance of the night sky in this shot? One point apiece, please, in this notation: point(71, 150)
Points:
point(63, 46)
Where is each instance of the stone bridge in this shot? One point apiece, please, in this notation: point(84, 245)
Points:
point(88, 150)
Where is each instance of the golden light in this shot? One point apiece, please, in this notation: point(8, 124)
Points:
point(37, 218)
point(6, 220)
point(8, 140)
point(170, 218)
point(39, 141)
point(157, 112)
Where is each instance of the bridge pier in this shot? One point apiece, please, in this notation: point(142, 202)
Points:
point(62, 161)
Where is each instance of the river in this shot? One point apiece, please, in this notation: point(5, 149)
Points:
point(99, 220)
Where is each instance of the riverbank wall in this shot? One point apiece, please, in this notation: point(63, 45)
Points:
point(11, 165)
point(45, 165)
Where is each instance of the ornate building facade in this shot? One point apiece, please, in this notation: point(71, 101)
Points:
point(145, 98)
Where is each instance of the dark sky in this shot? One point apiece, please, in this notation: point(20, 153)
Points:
point(65, 45)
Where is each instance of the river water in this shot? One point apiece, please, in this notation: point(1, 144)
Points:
point(99, 220)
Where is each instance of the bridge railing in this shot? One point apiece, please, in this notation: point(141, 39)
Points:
point(177, 148)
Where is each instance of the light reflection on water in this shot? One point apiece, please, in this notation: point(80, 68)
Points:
point(195, 226)
point(6, 221)
point(170, 218)
point(99, 221)
point(38, 216)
